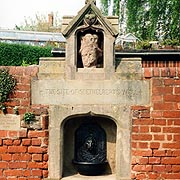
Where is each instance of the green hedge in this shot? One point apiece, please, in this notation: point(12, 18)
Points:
point(20, 54)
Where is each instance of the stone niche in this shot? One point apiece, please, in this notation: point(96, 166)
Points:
point(100, 90)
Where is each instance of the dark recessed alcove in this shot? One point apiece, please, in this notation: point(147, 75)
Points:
point(80, 34)
point(74, 127)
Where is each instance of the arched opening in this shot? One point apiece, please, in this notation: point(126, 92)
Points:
point(94, 41)
point(70, 130)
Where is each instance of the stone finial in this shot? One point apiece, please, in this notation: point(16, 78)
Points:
point(89, 1)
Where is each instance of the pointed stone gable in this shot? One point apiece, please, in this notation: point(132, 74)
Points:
point(88, 9)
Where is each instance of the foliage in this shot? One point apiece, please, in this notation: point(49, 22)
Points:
point(143, 45)
point(7, 86)
point(40, 23)
point(171, 42)
point(147, 19)
point(17, 55)
point(28, 117)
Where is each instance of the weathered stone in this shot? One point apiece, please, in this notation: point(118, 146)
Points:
point(10, 122)
point(90, 92)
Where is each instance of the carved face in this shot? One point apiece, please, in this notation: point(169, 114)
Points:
point(89, 49)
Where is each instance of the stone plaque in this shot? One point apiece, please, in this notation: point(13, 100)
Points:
point(9, 122)
point(55, 92)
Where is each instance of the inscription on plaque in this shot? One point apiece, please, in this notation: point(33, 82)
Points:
point(10, 122)
point(100, 92)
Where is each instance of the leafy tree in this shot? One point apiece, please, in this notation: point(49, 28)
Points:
point(147, 19)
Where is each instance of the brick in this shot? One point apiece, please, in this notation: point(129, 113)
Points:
point(176, 153)
point(26, 142)
point(21, 178)
point(3, 165)
point(37, 172)
point(142, 137)
point(141, 176)
point(36, 142)
point(45, 157)
point(1, 142)
point(45, 173)
point(177, 122)
point(17, 165)
point(159, 168)
point(175, 176)
point(169, 137)
point(156, 72)
point(44, 122)
point(26, 102)
point(31, 178)
point(143, 145)
point(6, 157)
point(148, 72)
point(154, 145)
point(157, 98)
point(154, 175)
point(17, 142)
point(13, 134)
point(171, 82)
point(23, 87)
point(165, 72)
point(171, 114)
point(37, 157)
point(157, 82)
point(159, 121)
point(142, 168)
point(177, 137)
point(142, 153)
point(17, 149)
point(144, 129)
point(177, 90)
point(7, 142)
point(143, 160)
point(37, 165)
point(32, 134)
point(13, 172)
point(171, 129)
point(159, 153)
point(176, 168)
point(21, 94)
point(159, 90)
point(21, 157)
point(171, 98)
point(23, 133)
point(171, 160)
point(142, 122)
point(3, 133)
point(36, 150)
point(25, 80)
point(12, 178)
point(163, 106)
point(175, 145)
point(155, 129)
point(26, 173)
point(154, 160)
point(3, 149)
point(157, 114)
point(168, 168)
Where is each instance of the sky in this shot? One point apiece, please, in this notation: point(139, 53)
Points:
point(14, 12)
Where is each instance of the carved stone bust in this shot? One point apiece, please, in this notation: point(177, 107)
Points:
point(89, 50)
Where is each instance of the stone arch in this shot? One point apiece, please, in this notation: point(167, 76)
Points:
point(71, 124)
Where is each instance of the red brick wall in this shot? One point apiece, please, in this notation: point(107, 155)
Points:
point(156, 128)
point(23, 154)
